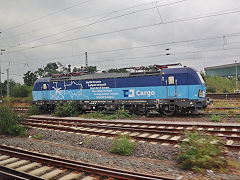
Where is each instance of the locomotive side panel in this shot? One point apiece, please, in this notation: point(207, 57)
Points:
point(146, 87)
point(167, 91)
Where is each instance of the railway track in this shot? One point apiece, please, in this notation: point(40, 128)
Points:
point(20, 109)
point(165, 133)
point(25, 109)
point(229, 96)
point(222, 108)
point(20, 164)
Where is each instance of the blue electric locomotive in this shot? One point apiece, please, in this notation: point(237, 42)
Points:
point(167, 90)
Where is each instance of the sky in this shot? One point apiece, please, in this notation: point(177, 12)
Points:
point(117, 33)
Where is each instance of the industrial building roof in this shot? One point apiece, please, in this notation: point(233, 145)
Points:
point(222, 66)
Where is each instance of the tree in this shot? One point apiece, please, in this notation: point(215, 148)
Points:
point(50, 69)
point(4, 86)
point(53, 68)
point(76, 69)
point(20, 90)
point(29, 78)
point(90, 69)
point(117, 71)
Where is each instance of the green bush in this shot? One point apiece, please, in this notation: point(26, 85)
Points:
point(211, 89)
point(219, 84)
point(95, 115)
point(17, 99)
point(215, 118)
point(119, 114)
point(34, 110)
point(27, 99)
point(66, 110)
point(88, 141)
point(38, 136)
point(10, 122)
point(10, 99)
point(122, 145)
point(201, 151)
point(21, 90)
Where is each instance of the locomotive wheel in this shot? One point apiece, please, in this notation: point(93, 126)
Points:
point(167, 112)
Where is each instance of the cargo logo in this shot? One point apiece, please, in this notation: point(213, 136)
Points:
point(129, 93)
point(133, 93)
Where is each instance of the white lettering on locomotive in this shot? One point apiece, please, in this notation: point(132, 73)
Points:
point(145, 93)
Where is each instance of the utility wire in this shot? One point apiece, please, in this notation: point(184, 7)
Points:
point(147, 56)
point(159, 55)
point(162, 44)
point(99, 21)
point(47, 15)
point(136, 27)
point(81, 19)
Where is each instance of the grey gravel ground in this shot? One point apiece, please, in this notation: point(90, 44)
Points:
point(148, 158)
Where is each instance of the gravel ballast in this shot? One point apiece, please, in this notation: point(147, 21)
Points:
point(147, 157)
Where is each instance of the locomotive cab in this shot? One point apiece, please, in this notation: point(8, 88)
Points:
point(184, 91)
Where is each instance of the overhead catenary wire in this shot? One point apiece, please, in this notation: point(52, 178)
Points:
point(134, 28)
point(85, 18)
point(164, 54)
point(166, 43)
point(235, 34)
point(96, 22)
point(113, 59)
point(47, 15)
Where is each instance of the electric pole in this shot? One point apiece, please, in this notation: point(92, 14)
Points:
point(0, 78)
point(8, 89)
point(86, 59)
point(1, 73)
point(236, 76)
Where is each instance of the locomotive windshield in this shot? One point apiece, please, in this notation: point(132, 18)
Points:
point(200, 77)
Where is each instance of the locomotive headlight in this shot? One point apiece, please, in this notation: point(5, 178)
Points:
point(201, 93)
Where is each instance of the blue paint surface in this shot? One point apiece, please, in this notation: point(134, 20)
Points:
point(158, 92)
point(186, 85)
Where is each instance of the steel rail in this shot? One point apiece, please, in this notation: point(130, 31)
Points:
point(173, 131)
point(150, 123)
point(171, 141)
point(9, 173)
point(25, 109)
point(77, 165)
point(226, 96)
point(75, 130)
point(222, 108)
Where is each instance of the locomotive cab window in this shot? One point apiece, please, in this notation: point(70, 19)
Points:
point(44, 86)
point(171, 80)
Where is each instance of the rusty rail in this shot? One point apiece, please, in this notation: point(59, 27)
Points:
point(77, 165)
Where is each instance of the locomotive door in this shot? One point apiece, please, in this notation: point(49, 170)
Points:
point(171, 85)
point(45, 91)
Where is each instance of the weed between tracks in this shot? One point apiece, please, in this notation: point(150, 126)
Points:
point(119, 114)
point(215, 118)
point(223, 103)
point(202, 151)
point(33, 110)
point(71, 109)
point(38, 136)
point(66, 110)
point(122, 145)
point(87, 141)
